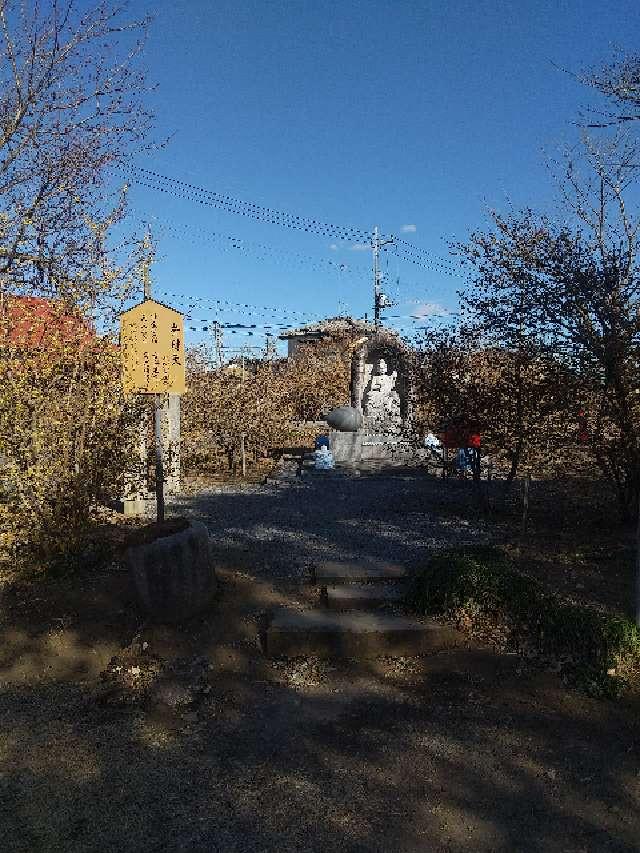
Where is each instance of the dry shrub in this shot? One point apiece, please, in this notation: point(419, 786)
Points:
point(318, 377)
point(221, 405)
point(265, 400)
point(65, 433)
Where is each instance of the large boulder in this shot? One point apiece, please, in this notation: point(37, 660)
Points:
point(345, 419)
point(174, 574)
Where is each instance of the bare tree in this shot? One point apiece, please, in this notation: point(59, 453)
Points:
point(513, 395)
point(71, 107)
point(595, 302)
point(566, 296)
point(619, 82)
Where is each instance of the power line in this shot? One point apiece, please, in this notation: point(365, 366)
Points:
point(262, 251)
point(183, 189)
point(192, 192)
point(245, 307)
point(421, 258)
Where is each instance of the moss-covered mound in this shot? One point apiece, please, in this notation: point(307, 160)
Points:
point(480, 589)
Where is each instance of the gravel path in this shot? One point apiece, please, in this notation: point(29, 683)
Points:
point(284, 528)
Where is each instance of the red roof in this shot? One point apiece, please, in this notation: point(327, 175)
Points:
point(37, 323)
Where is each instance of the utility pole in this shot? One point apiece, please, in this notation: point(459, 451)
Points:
point(269, 347)
point(158, 403)
point(147, 260)
point(379, 299)
point(217, 342)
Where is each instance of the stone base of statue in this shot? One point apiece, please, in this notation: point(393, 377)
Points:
point(386, 448)
point(356, 448)
point(345, 447)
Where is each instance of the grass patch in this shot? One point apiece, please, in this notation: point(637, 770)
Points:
point(483, 593)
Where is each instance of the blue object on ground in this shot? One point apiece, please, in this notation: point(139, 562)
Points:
point(323, 459)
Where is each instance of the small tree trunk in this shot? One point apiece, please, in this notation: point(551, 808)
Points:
point(515, 461)
point(525, 503)
point(475, 465)
point(637, 601)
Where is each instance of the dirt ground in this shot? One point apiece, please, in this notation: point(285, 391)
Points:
point(463, 750)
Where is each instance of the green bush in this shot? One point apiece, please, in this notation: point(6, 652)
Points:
point(482, 585)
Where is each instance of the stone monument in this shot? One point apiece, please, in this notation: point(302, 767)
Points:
point(381, 402)
point(381, 393)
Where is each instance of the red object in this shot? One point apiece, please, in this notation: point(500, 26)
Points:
point(36, 323)
point(461, 437)
point(583, 432)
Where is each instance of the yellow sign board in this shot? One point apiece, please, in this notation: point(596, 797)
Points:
point(152, 349)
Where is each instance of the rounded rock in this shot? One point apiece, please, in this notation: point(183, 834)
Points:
point(345, 419)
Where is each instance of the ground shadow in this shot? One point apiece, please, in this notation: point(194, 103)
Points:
point(458, 751)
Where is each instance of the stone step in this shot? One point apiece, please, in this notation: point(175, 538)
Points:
point(361, 596)
point(321, 633)
point(332, 572)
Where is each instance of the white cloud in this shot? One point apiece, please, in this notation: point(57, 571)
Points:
point(429, 309)
point(334, 247)
point(360, 247)
point(409, 229)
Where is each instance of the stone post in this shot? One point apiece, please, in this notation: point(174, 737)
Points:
point(357, 376)
point(172, 444)
point(137, 498)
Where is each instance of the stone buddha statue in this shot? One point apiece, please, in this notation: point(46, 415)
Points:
point(381, 401)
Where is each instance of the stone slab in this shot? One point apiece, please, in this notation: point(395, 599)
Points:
point(321, 633)
point(384, 447)
point(351, 448)
point(331, 572)
point(345, 447)
point(142, 507)
point(356, 596)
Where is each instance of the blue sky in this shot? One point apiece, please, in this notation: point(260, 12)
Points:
point(414, 115)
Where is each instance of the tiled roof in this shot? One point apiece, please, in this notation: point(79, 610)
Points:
point(33, 322)
point(332, 325)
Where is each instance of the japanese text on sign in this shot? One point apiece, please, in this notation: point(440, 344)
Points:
point(152, 349)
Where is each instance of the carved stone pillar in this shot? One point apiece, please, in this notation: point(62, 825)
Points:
point(357, 376)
